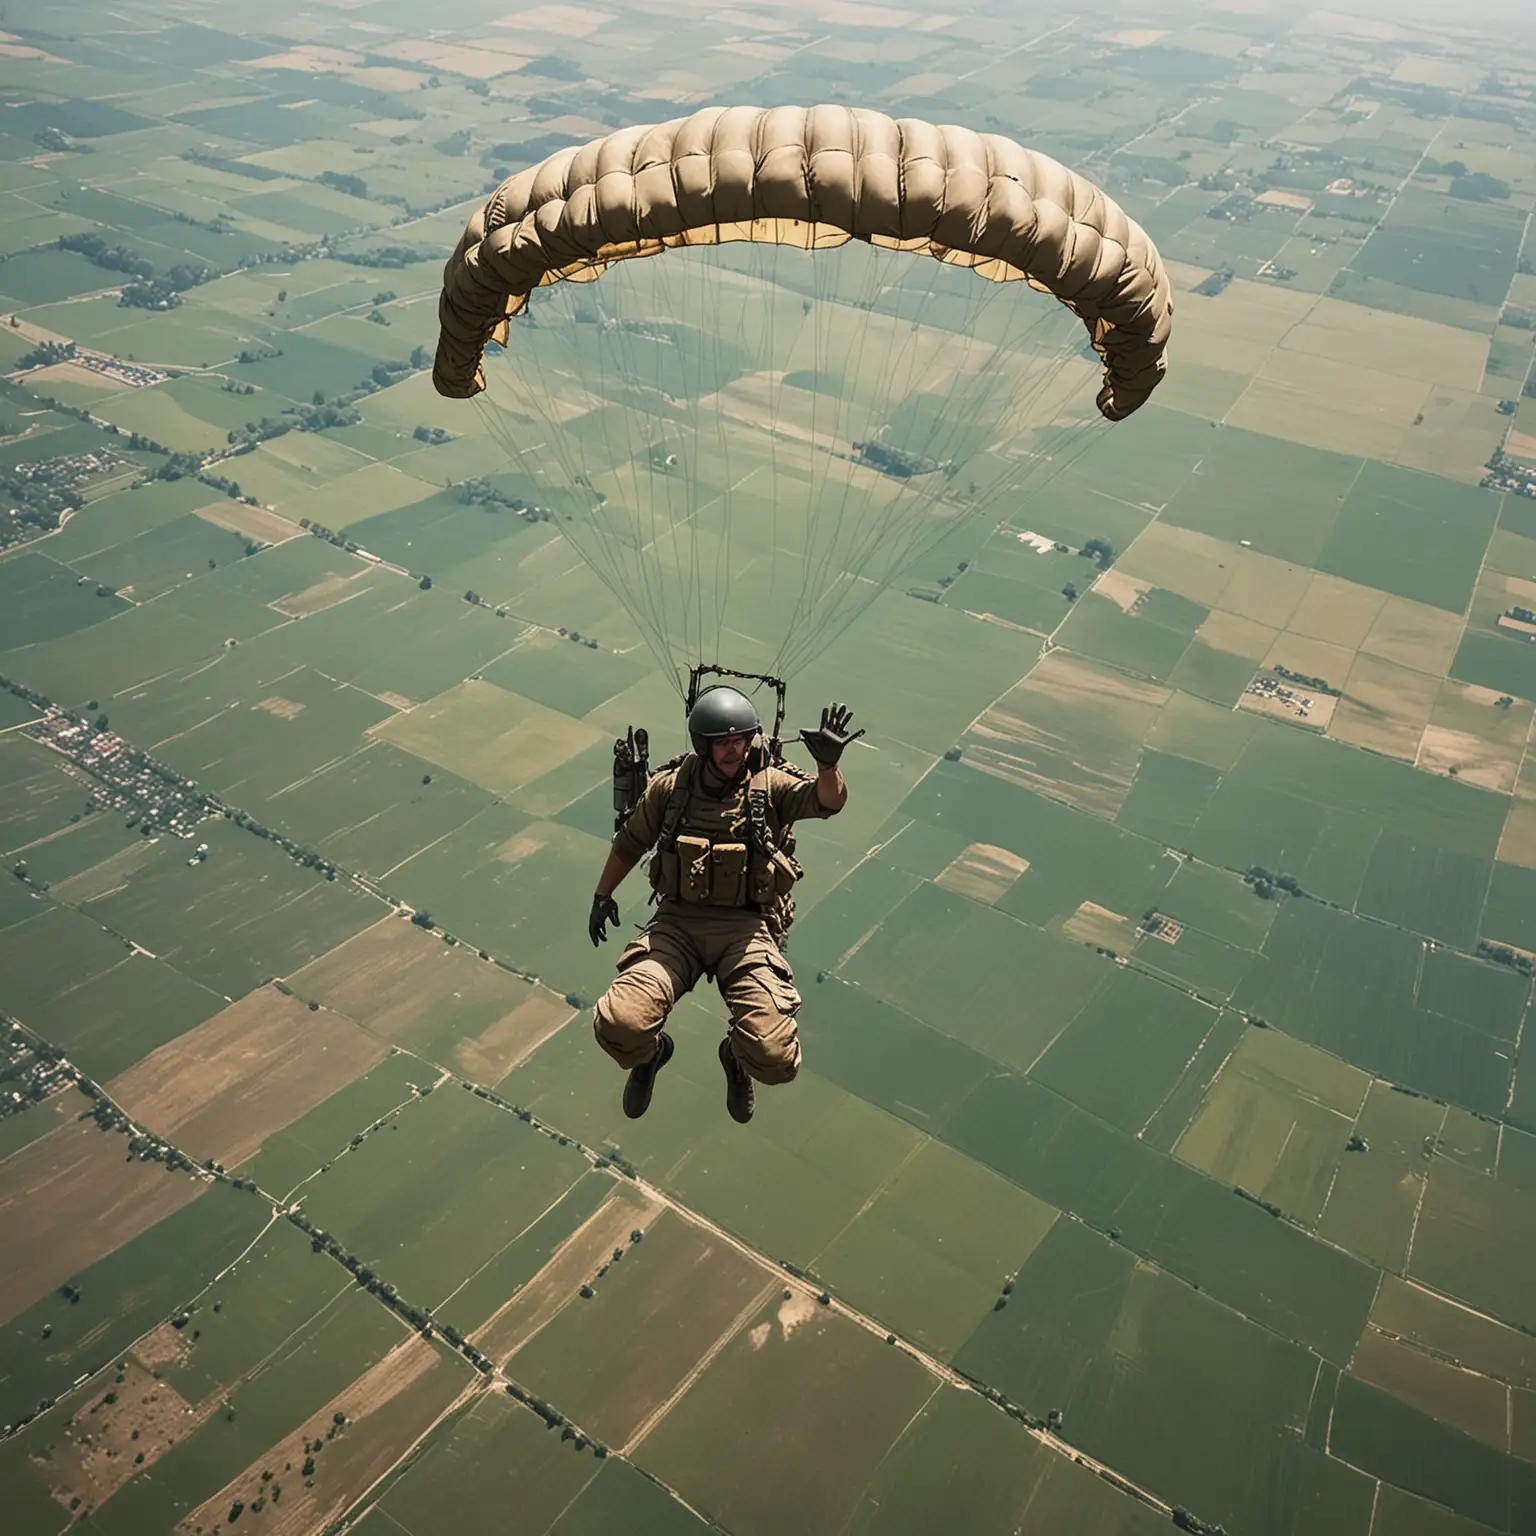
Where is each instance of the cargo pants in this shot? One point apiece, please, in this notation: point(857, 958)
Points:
point(665, 961)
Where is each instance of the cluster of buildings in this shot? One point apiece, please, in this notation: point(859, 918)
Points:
point(27, 1076)
point(135, 375)
point(1507, 474)
point(126, 779)
point(1271, 688)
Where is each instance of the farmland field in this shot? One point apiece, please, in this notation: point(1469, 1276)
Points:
point(1163, 1145)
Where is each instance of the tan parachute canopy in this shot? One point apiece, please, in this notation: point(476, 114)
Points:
point(811, 177)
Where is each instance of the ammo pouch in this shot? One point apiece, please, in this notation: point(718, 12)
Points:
point(710, 874)
point(758, 873)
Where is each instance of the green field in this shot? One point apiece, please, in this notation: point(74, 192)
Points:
point(826, 1468)
point(1166, 1058)
point(514, 1174)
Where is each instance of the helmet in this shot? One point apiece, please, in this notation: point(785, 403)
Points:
point(721, 712)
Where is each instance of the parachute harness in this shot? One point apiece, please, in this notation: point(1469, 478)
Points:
point(765, 845)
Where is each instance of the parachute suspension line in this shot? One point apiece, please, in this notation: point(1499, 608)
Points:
point(608, 539)
point(901, 544)
point(837, 624)
point(815, 584)
point(859, 526)
point(896, 377)
point(723, 564)
point(628, 339)
point(602, 552)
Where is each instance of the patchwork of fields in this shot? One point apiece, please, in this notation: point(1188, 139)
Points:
point(1167, 1133)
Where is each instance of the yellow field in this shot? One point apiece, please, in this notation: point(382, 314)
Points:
point(1340, 407)
point(1201, 390)
point(409, 988)
point(1238, 329)
point(221, 1089)
point(1385, 708)
point(1399, 345)
point(493, 738)
point(1311, 658)
point(250, 522)
point(1236, 635)
point(1518, 845)
point(1469, 732)
point(327, 592)
point(982, 872)
point(1414, 635)
point(568, 20)
point(1124, 591)
point(1459, 431)
point(1340, 612)
point(1093, 924)
point(1072, 729)
point(1453, 75)
point(1179, 560)
point(1265, 589)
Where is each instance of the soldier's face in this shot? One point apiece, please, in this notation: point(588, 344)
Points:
point(728, 753)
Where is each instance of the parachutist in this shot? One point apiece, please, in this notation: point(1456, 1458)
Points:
point(719, 820)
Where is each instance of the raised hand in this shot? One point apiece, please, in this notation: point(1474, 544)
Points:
point(827, 741)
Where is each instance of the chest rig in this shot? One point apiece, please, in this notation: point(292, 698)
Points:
point(720, 853)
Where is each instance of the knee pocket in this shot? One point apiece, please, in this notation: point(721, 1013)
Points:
point(772, 1060)
point(640, 996)
point(779, 983)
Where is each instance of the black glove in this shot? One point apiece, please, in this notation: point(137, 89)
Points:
point(826, 743)
point(605, 910)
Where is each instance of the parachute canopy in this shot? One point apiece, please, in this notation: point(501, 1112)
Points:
point(813, 178)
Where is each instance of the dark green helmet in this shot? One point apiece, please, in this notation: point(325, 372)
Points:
point(721, 712)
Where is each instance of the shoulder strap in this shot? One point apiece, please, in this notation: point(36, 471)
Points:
point(677, 802)
point(760, 817)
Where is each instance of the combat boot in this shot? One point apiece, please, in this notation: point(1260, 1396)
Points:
point(740, 1095)
point(642, 1079)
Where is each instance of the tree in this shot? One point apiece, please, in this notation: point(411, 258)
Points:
point(282, 295)
point(425, 583)
point(101, 722)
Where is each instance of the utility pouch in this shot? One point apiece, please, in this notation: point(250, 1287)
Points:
point(728, 887)
point(785, 872)
point(761, 881)
point(664, 872)
point(693, 861)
